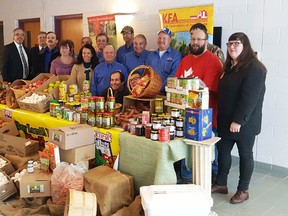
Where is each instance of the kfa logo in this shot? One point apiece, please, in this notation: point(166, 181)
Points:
point(202, 14)
point(169, 18)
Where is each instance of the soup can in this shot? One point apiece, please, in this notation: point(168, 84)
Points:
point(164, 134)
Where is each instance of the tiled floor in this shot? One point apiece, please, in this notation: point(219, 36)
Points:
point(268, 195)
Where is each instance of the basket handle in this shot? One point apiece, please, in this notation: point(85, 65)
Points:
point(133, 71)
point(110, 92)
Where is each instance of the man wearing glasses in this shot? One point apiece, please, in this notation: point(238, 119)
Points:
point(15, 58)
point(128, 36)
point(203, 64)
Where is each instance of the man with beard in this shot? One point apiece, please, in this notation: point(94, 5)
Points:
point(203, 64)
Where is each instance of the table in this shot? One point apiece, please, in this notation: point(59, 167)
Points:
point(36, 126)
point(150, 162)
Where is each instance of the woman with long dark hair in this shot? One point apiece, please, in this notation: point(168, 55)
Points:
point(241, 94)
point(83, 69)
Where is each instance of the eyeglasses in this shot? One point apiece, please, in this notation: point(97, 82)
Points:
point(19, 34)
point(197, 39)
point(235, 44)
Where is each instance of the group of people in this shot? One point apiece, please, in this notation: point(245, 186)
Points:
point(236, 85)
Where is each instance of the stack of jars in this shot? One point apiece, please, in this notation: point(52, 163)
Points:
point(162, 128)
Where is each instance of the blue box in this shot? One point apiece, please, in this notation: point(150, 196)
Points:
point(198, 124)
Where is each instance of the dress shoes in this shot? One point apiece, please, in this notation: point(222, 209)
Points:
point(219, 189)
point(239, 197)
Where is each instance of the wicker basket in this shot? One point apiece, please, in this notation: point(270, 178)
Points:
point(153, 87)
point(12, 95)
point(18, 82)
point(118, 106)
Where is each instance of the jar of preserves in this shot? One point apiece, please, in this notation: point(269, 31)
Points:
point(154, 135)
point(100, 104)
point(158, 105)
point(139, 130)
point(30, 166)
point(148, 128)
point(179, 132)
point(180, 122)
point(99, 120)
point(91, 118)
point(92, 104)
point(156, 124)
point(175, 113)
point(107, 120)
point(84, 116)
point(111, 104)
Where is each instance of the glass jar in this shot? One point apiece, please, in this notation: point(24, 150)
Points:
point(107, 120)
point(158, 105)
point(148, 128)
point(100, 104)
point(111, 104)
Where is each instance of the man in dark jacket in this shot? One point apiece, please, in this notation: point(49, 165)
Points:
point(15, 58)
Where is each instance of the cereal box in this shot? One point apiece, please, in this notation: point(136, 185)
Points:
point(198, 124)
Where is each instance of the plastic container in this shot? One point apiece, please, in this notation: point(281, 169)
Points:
point(171, 200)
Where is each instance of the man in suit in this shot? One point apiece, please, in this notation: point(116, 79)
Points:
point(38, 55)
point(15, 58)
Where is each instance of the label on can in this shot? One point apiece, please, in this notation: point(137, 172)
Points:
point(164, 134)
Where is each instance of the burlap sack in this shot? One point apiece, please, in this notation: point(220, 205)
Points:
point(19, 161)
point(135, 209)
point(114, 190)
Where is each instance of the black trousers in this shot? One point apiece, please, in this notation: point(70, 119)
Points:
point(245, 146)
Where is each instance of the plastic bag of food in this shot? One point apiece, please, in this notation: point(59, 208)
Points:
point(65, 177)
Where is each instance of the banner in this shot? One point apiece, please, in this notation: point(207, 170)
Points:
point(106, 24)
point(180, 20)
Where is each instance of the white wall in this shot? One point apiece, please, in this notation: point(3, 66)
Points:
point(264, 21)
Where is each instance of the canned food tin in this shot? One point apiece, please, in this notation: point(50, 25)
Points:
point(164, 134)
point(73, 89)
point(86, 86)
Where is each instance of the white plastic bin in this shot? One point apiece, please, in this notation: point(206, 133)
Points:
point(171, 200)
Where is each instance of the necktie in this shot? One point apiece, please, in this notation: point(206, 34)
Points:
point(26, 70)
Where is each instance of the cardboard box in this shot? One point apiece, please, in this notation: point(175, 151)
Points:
point(198, 124)
point(40, 107)
point(41, 76)
point(9, 128)
point(55, 91)
point(36, 184)
point(138, 103)
point(18, 145)
point(198, 99)
point(83, 153)
point(8, 167)
point(7, 189)
point(72, 136)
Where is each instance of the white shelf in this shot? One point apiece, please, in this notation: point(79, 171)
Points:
point(174, 105)
point(176, 91)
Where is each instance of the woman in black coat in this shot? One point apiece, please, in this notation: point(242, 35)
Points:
point(241, 94)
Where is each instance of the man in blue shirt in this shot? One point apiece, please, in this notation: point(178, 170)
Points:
point(101, 41)
point(102, 72)
point(138, 57)
point(128, 35)
point(165, 59)
point(51, 50)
